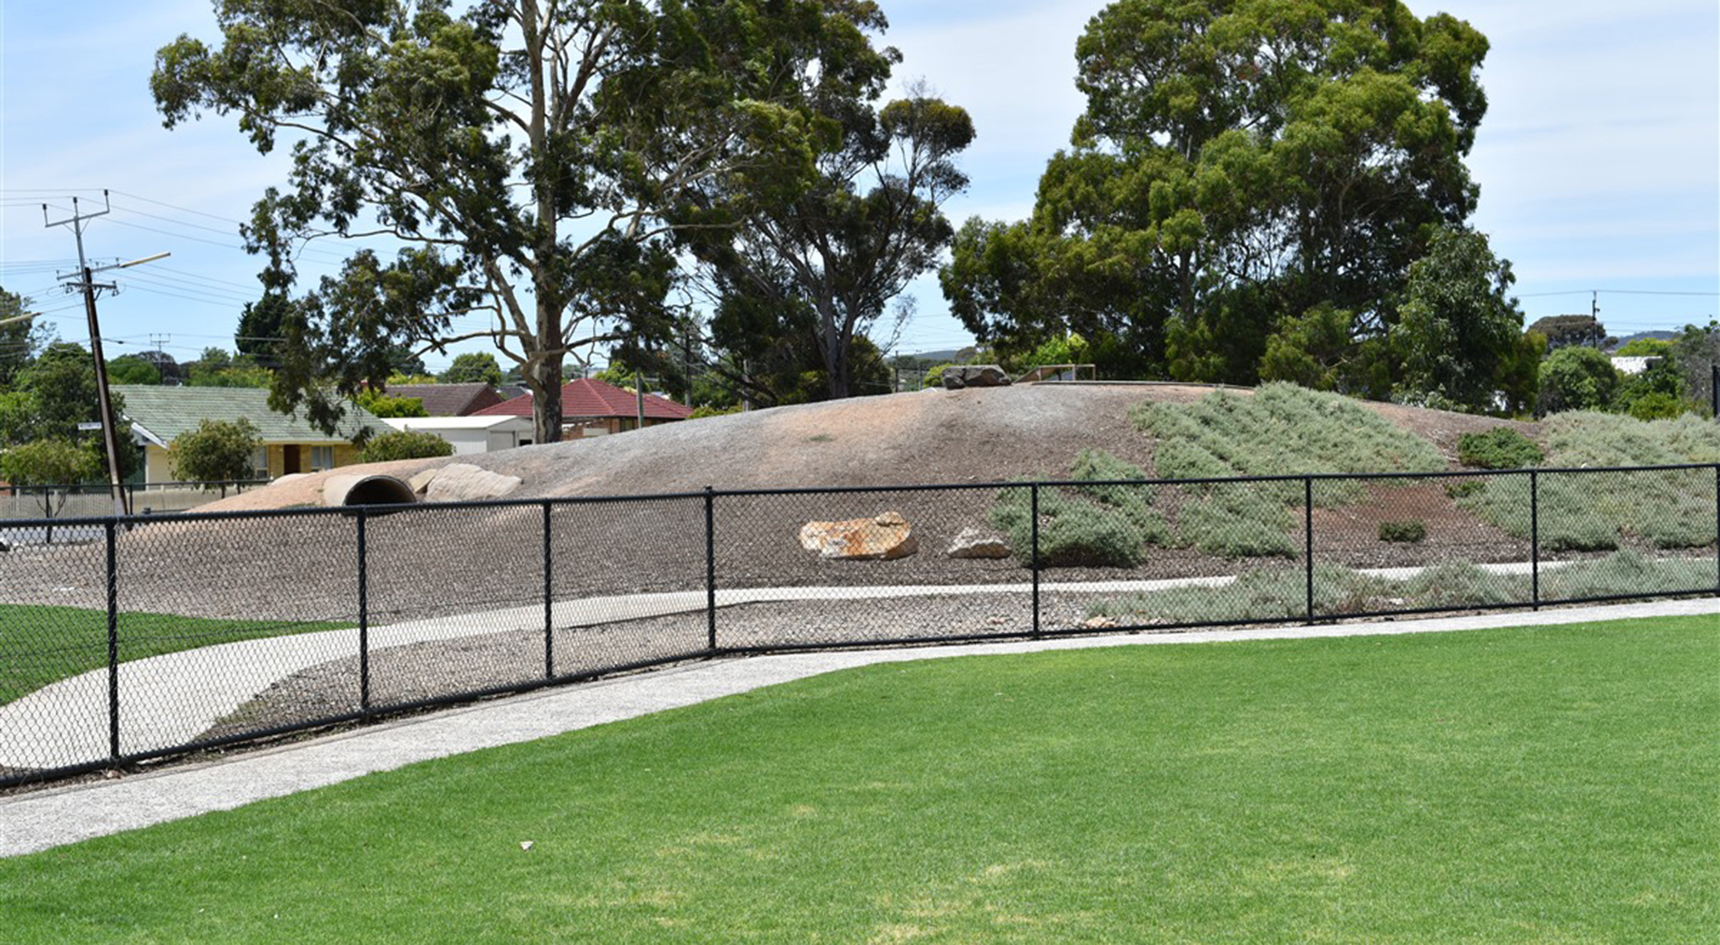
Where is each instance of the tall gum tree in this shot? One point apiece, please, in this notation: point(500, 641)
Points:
point(520, 155)
point(1239, 162)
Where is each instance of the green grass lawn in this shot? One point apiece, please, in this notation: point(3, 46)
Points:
point(42, 645)
point(1557, 784)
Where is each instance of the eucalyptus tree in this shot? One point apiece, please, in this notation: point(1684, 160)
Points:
point(1239, 162)
point(522, 159)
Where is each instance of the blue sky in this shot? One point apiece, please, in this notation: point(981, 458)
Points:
point(1599, 159)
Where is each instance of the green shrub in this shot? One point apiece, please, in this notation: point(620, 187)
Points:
point(1657, 405)
point(1084, 525)
point(1235, 521)
point(1576, 378)
point(404, 444)
point(1407, 532)
point(1498, 448)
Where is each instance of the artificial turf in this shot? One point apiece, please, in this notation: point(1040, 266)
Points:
point(41, 645)
point(1554, 784)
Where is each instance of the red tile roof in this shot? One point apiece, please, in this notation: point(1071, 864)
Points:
point(449, 400)
point(591, 398)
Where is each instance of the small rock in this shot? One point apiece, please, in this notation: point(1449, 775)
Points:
point(525, 844)
point(958, 376)
point(884, 538)
point(1098, 623)
point(976, 543)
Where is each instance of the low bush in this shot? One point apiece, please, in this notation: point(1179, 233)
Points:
point(1236, 521)
point(1406, 532)
point(1498, 448)
point(1101, 525)
point(404, 444)
point(1281, 593)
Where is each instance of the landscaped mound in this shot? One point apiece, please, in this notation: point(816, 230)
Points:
point(1597, 510)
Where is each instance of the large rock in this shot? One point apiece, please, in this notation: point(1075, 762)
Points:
point(958, 376)
point(887, 537)
point(976, 543)
point(463, 482)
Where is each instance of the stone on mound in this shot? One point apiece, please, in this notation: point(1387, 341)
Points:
point(977, 543)
point(959, 376)
point(463, 482)
point(884, 538)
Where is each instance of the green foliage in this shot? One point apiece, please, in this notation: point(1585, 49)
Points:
point(1655, 393)
point(1280, 593)
point(1591, 511)
point(1645, 348)
point(1281, 429)
point(404, 444)
point(826, 262)
point(1498, 448)
point(1099, 525)
point(381, 404)
point(935, 376)
point(1235, 521)
point(217, 451)
point(1657, 405)
point(20, 340)
point(1410, 532)
point(56, 393)
point(1185, 224)
point(1577, 378)
point(479, 367)
point(486, 136)
point(51, 462)
point(706, 410)
point(131, 369)
point(1457, 328)
point(1695, 352)
point(1323, 349)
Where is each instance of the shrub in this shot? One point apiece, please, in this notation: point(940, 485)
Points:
point(218, 450)
point(1657, 405)
point(706, 410)
point(1236, 521)
point(1407, 532)
point(404, 444)
point(1082, 525)
point(1576, 378)
point(1498, 448)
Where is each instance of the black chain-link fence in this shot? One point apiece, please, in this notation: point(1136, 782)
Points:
point(130, 639)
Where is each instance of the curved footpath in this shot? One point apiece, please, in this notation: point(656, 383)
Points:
point(172, 699)
point(38, 821)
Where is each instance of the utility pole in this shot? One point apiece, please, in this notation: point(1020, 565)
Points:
point(639, 396)
point(157, 345)
point(86, 282)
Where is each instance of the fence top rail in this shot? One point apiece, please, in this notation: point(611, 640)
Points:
point(710, 492)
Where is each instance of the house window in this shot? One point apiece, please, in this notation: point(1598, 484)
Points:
point(322, 457)
point(260, 463)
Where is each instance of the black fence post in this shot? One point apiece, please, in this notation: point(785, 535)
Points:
point(548, 599)
point(1717, 527)
point(363, 615)
point(1033, 561)
point(1308, 538)
point(111, 529)
point(710, 569)
point(1534, 540)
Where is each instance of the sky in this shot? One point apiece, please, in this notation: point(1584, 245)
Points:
point(1599, 158)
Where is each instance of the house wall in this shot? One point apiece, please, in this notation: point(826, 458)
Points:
point(158, 466)
point(603, 426)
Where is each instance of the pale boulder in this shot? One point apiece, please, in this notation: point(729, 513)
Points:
point(463, 482)
point(977, 543)
point(885, 538)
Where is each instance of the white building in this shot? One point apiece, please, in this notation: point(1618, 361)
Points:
point(471, 434)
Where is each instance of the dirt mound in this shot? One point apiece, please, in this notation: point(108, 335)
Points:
point(973, 435)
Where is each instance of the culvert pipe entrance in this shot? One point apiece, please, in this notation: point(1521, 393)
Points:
point(367, 490)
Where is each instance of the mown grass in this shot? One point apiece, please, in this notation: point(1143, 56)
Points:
point(43, 645)
point(1277, 593)
point(1532, 785)
point(1597, 510)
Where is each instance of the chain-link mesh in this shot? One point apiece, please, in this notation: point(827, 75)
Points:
point(807, 569)
point(225, 627)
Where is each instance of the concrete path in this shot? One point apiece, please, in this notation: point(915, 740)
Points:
point(172, 699)
point(38, 821)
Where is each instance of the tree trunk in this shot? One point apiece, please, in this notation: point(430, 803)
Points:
point(544, 379)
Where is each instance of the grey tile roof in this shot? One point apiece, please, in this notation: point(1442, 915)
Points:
point(165, 412)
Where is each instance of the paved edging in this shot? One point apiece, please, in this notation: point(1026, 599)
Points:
point(174, 698)
point(38, 821)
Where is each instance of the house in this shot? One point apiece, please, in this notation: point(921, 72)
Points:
point(590, 407)
point(471, 434)
point(290, 444)
point(449, 400)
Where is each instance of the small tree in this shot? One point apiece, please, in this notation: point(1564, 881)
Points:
point(217, 451)
point(404, 444)
point(382, 405)
point(473, 368)
point(1577, 378)
point(49, 463)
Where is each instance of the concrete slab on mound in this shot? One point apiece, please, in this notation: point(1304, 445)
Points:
point(39, 821)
